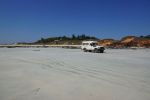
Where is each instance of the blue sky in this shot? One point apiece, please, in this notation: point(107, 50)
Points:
point(29, 20)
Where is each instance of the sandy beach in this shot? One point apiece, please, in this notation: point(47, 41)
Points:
point(70, 74)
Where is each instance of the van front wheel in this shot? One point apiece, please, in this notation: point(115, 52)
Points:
point(101, 51)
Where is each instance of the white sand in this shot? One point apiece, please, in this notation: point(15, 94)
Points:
point(70, 74)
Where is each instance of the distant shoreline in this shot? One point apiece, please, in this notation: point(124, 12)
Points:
point(39, 46)
point(60, 46)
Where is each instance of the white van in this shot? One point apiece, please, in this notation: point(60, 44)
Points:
point(92, 46)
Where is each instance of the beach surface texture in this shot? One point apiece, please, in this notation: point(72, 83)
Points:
point(71, 74)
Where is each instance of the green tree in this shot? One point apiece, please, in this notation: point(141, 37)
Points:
point(73, 36)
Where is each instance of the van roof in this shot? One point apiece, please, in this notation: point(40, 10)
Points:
point(89, 41)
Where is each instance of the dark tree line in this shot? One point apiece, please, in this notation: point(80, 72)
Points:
point(83, 37)
point(145, 37)
point(65, 38)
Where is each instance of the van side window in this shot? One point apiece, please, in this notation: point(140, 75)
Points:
point(85, 44)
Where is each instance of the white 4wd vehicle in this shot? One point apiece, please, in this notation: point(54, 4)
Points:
point(92, 46)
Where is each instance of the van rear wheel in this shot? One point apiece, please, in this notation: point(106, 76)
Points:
point(95, 50)
point(84, 49)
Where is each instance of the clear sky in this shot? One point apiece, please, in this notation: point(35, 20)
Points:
point(29, 20)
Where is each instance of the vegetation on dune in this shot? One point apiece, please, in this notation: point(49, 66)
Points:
point(125, 42)
point(65, 39)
